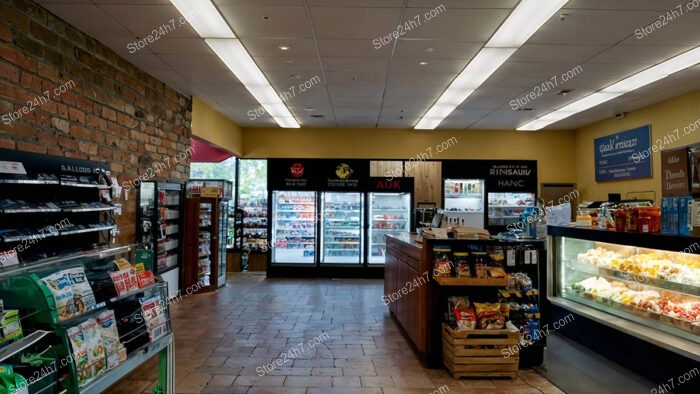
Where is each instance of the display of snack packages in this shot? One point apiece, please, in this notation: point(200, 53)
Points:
point(145, 279)
point(60, 287)
point(122, 264)
point(454, 302)
point(11, 382)
point(465, 318)
point(10, 327)
point(152, 309)
point(496, 272)
point(80, 355)
point(83, 297)
point(490, 316)
point(125, 281)
point(95, 348)
point(107, 329)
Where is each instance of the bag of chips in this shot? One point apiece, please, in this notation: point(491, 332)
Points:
point(60, 286)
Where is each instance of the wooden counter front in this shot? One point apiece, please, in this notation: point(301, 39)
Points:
point(408, 290)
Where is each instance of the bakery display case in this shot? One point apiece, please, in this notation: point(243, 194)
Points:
point(635, 297)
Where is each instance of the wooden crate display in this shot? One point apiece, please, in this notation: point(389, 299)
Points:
point(463, 361)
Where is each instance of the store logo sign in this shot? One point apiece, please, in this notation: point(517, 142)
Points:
point(296, 170)
point(343, 171)
point(388, 185)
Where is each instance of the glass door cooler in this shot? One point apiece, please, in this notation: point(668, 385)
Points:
point(464, 202)
point(505, 208)
point(342, 223)
point(389, 213)
point(293, 227)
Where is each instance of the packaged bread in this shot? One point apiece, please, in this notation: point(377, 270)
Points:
point(60, 287)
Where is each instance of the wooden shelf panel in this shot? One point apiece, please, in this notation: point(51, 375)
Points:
point(497, 282)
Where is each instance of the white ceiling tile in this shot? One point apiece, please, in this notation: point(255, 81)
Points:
point(451, 24)
point(352, 48)
point(450, 4)
point(90, 19)
point(144, 20)
point(299, 3)
point(420, 79)
point(439, 49)
point(285, 80)
point(682, 30)
point(659, 5)
point(201, 62)
point(411, 103)
point(356, 3)
point(351, 78)
point(414, 91)
point(355, 90)
point(146, 61)
point(356, 121)
point(180, 46)
point(483, 103)
point(556, 53)
point(298, 47)
point(282, 21)
point(354, 23)
point(391, 123)
point(621, 54)
point(368, 112)
point(268, 63)
point(346, 101)
point(340, 64)
point(591, 27)
point(433, 66)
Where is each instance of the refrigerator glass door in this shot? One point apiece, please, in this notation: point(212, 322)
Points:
point(505, 208)
point(168, 231)
point(293, 227)
point(389, 213)
point(464, 202)
point(342, 225)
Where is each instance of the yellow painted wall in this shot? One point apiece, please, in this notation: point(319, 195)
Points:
point(664, 117)
point(554, 150)
point(212, 126)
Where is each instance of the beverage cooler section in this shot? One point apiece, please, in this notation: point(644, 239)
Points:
point(390, 214)
point(293, 227)
point(342, 223)
point(204, 242)
point(464, 202)
point(506, 208)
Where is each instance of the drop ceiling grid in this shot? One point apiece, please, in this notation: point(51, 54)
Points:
point(598, 35)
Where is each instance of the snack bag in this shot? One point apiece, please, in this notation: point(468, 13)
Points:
point(466, 318)
point(80, 355)
point(496, 272)
point(145, 279)
point(107, 328)
point(443, 269)
point(489, 316)
point(456, 302)
point(154, 315)
point(95, 348)
point(60, 287)
point(83, 297)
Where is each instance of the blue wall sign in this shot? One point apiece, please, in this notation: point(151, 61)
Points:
point(623, 155)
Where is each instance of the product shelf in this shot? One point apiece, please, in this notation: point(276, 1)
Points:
point(496, 282)
point(87, 230)
point(16, 347)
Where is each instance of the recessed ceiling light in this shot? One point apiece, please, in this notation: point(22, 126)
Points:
point(423, 63)
point(266, 17)
point(284, 47)
point(309, 109)
point(289, 61)
point(429, 50)
point(317, 116)
point(294, 76)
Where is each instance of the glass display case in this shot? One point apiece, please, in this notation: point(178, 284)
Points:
point(506, 208)
point(658, 288)
point(464, 202)
point(389, 213)
point(293, 226)
point(342, 221)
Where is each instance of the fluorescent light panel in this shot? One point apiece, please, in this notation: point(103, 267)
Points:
point(237, 59)
point(211, 26)
point(521, 24)
point(204, 18)
point(634, 82)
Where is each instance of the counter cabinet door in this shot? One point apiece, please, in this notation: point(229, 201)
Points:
point(390, 278)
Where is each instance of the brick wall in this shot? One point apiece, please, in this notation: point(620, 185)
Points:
point(64, 93)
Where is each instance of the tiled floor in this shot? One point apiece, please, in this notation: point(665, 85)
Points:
point(224, 341)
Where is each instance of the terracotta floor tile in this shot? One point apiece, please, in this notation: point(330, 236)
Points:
point(224, 340)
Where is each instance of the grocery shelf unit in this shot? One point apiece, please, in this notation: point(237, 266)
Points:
point(205, 232)
point(159, 228)
point(45, 326)
point(52, 205)
point(654, 333)
point(421, 311)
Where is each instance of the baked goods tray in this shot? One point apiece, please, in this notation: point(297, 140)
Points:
point(635, 278)
point(644, 313)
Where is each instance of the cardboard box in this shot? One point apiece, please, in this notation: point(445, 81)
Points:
point(669, 215)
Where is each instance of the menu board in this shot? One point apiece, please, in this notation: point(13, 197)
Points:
point(674, 173)
point(624, 155)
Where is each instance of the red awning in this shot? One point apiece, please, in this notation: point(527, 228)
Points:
point(205, 152)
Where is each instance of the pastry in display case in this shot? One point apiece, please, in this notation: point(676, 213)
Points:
point(654, 287)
